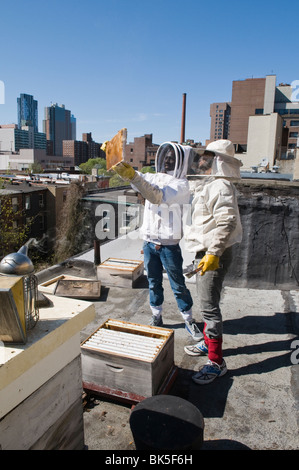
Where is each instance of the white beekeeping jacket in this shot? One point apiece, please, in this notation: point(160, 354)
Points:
point(167, 196)
point(215, 222)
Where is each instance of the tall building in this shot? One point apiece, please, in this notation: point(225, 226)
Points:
point(247, 100)
point(27, 112)
point(252, 98)
point(59, 125)
point(220, 120)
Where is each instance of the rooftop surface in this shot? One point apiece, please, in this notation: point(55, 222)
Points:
point(254, 406)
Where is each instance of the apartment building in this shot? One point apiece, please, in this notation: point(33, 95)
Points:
point(260, 115)
point(247, 100)
point(12, 139)
point(82, 150)
point(141, 152)
point(220, 120)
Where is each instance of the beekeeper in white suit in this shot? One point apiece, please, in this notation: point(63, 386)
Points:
point(166, 194)
point(215, 227)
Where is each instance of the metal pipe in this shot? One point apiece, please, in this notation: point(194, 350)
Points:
point(183, 119)
point(97, 252)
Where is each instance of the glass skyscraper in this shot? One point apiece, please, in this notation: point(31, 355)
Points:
point(59, 125)
point(27, 111)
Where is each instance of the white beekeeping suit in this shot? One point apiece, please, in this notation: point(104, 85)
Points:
point(166, 194)
point(215, 227)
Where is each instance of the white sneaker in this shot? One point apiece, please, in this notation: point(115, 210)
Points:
point(209, 372)
point(156, 321)
point(193, 330)
point(198, 349)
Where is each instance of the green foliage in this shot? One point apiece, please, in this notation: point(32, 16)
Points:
point(36, 168)
point(12, 236)
point(70, 233)
point(91, 163)
point(147, 169)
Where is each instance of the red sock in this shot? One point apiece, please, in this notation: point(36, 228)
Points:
point(215, 350)
point(205, 336)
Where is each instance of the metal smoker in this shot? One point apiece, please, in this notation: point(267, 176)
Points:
point(19, 264)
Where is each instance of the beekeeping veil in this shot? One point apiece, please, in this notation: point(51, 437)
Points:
point(173, 159)
point(224, 162)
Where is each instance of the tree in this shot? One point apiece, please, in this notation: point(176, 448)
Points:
point(147, 169)
point(13, 230)
point(36, 168)
point(91, 163)
point(70, 233)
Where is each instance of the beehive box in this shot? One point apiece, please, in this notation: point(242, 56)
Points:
point(127, 357)
point(120, 272)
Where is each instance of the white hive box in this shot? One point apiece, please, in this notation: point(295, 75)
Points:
point(127, 359)
point(120, 272)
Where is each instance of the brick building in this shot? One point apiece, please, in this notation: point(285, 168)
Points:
point(251, 98)
point(82, 150)
point(141, 152)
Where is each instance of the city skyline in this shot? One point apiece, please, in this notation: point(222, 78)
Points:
point(127, 64)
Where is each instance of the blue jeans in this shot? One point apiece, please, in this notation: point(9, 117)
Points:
point(170, 257)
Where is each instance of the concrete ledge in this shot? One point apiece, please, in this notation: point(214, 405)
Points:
point(51, 418)
point(53, 343)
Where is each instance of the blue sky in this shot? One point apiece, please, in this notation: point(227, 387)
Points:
point(127, 63)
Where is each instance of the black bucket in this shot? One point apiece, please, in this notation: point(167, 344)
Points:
point(166, 422)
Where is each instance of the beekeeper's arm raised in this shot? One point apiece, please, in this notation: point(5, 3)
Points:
point(169, 194)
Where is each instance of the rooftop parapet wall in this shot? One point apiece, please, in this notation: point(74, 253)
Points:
point(268, 256)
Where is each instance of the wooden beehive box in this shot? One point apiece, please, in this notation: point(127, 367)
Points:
point(127, 357)
point(120, 272)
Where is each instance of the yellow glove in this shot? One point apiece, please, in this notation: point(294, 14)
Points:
point(208, 263)
point(124, 170)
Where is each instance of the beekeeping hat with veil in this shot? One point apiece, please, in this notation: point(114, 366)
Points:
point(224, 162)
point(173, 159)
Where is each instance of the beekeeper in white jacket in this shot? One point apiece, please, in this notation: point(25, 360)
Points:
point(215, 227)
point(166, 194)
